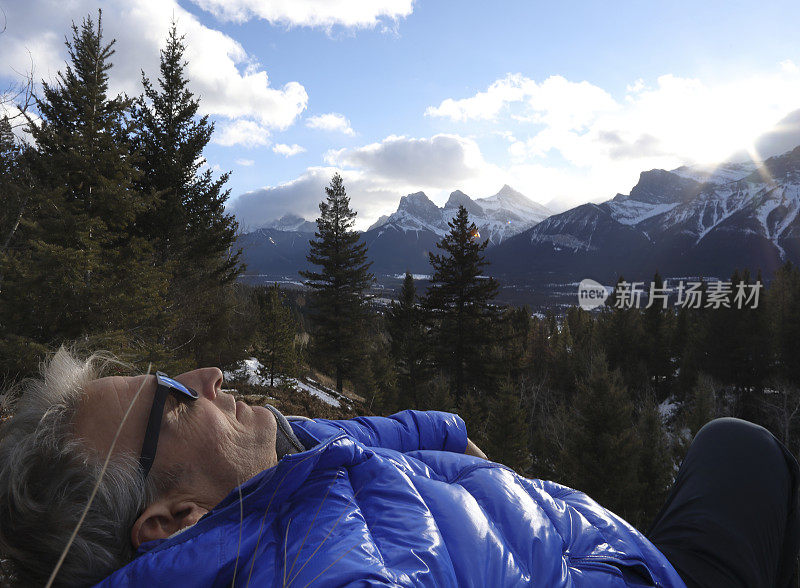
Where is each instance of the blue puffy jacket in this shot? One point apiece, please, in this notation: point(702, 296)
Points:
point(394, 502)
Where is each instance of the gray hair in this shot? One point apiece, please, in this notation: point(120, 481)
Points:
point(47, 475)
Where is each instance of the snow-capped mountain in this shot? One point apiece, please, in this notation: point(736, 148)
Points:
point(381, 220)
point(401, 242)
point(397, 242)
point(688, 221)
point(694, 220)
point(416, 212)
point(292, 222)
point(497, 217)
point(508, 204)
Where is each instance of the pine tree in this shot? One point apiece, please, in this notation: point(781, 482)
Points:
point(380, 386)
point(507, 433)
point(18, 354)
point(11, 185)
point(187, 222)
point(657, 329)
point(340, 286)
point(459, 302)
point(404, 321)
point(691, 344)
point(539, 349)
point(655, 465)
point(719, 338)
point(274, 346)
point(702, 404)
point(513, 346)
point(563, 353)
point(624, 339)
point(81, 269)
point(783, 302)
point(602, 442)
point(474, 409)
point(15, 189)
point(748, 349)
point(436, 396)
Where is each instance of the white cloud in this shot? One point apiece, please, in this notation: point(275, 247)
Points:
point(311, 13)
point(636, 86)
point(302, 196)
point(483, 105)
point(691, 120)
point(242, 132)
point(571, 143)
point(245, 162)
point(330, 122)
point(556, 101)
point(376, 176)
point(288, 150)
point(675, 121)
point(229, 82)
point(438, 162)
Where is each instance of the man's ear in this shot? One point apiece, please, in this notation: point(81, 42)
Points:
point(163, 518)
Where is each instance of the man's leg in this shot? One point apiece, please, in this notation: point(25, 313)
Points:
point(732, 517)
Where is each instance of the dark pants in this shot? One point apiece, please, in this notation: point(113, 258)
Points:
point(732, 518)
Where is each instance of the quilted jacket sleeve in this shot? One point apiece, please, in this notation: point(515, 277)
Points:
point(409, 430)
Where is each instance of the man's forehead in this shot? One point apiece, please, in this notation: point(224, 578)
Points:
point(104, 404)
point(102, 408)
point(121, 388)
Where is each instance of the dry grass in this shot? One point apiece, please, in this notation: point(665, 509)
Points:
point(297, 403)
point(329, 382)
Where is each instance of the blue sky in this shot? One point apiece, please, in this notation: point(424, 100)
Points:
point(566, 102)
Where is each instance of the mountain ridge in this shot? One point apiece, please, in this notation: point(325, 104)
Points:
point(692, 220)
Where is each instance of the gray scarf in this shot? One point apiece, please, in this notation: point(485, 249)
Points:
point(286, 442)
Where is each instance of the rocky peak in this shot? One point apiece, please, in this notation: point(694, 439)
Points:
point(510, 194)
point(659, 186)
point(458, 198)
point(381, 221)
point(415, 202)
point(291, 222)
point(418, 206)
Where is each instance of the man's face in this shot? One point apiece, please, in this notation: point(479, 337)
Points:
point(218, 442)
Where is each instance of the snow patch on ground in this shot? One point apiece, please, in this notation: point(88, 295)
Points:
point(321, 394)
point(667, 408)
point(247, 370)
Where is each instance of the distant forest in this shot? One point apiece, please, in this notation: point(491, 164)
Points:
point(113, 234)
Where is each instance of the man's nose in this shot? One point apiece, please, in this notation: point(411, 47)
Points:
point(206, 381)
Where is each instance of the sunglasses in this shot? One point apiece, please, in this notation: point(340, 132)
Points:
point(166, 385)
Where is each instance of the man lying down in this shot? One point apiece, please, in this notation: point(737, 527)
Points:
point(201, 490)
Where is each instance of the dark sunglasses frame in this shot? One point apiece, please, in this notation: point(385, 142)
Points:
point(165, 386)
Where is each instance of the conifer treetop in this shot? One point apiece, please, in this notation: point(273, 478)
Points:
point(170, 118)
point(336, 248)
point(457, 271)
